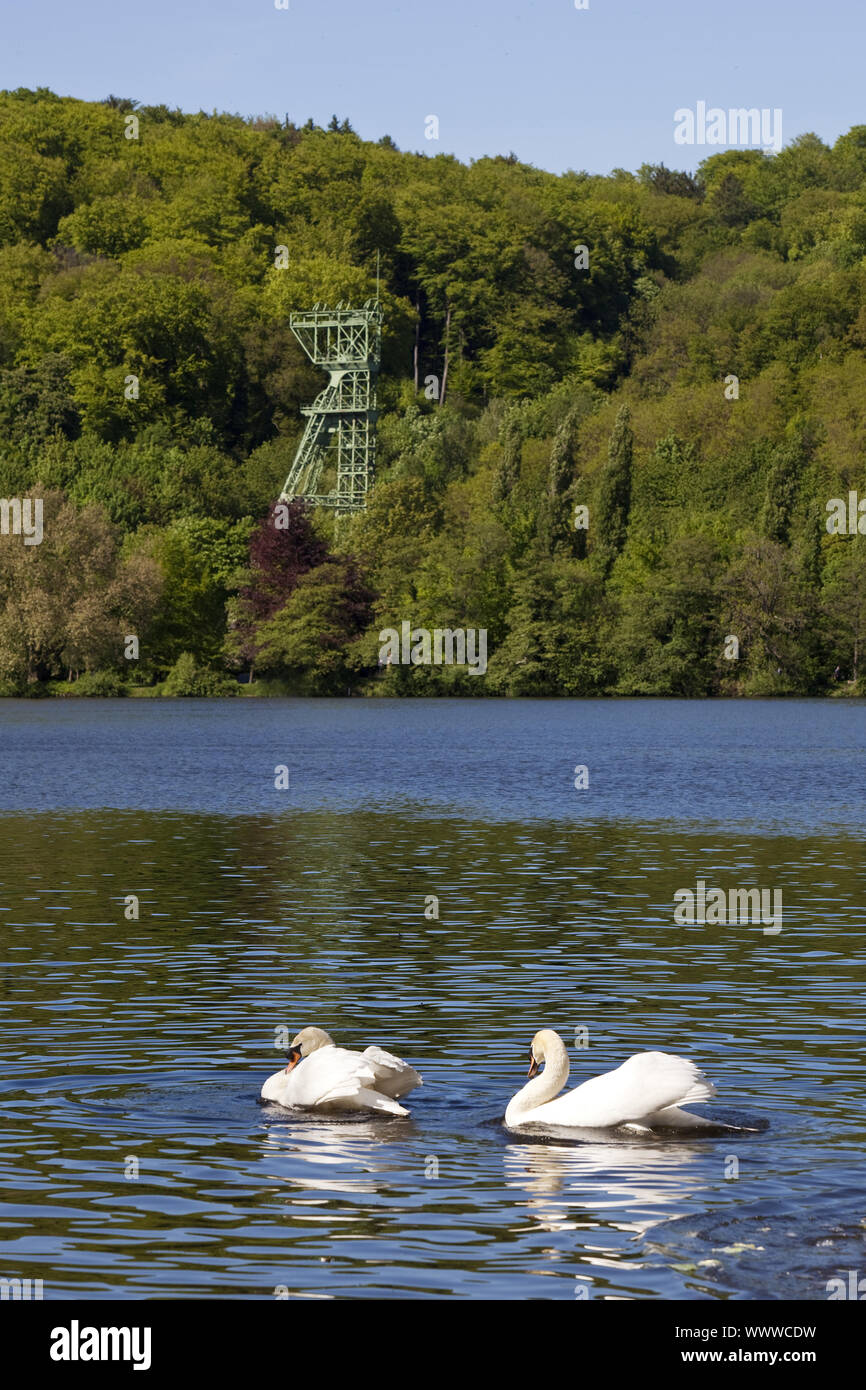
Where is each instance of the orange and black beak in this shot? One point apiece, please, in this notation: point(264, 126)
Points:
point(534, 1068)
point(294, 1056)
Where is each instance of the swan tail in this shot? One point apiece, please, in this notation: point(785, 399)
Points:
point(701, 1089)
point(358, 1092)
point(695, 1084)
point(374, 1100)
point(674, 1118)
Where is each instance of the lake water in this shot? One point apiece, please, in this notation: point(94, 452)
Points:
point(140, 1046)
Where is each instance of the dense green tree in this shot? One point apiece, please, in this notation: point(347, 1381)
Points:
point(508, 467)
point(187, 679)
point(306, 641)
point(614, 494)
point(36, 403)
point(845, 606)
point(673, 182)
point(770, 609)
point(555, 644)
point(200, 560)
point(787, 465)
point(668, 639)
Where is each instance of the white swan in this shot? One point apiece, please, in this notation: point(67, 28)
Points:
point(321, 1076)
point(645, 1091)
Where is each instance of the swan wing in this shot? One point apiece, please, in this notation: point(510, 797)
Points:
point(643, 1086)
point(394, 1077)
point(330, 1074)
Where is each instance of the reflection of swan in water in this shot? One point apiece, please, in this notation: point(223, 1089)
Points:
point(580, 1186)
point(644, 1092)
point(325, 1146)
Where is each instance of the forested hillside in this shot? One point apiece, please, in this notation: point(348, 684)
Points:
point(689, 388)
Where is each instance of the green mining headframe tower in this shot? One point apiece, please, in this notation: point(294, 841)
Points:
point(340, 438)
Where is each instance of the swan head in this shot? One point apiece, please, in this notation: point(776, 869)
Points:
point(305, 1042)
point(544, 1044)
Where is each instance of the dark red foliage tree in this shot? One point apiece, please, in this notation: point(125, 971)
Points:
point(279, 555)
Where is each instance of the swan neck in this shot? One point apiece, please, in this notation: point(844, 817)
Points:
point(544, 1087)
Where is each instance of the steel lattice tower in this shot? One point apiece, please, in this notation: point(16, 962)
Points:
point(340, 437)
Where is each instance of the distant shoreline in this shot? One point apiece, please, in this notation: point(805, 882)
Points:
point(245, 692)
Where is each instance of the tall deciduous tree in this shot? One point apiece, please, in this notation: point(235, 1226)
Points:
point(307, 641)
point(845, 604)
point(282, 549)
point(614, 496)
point(68, 603)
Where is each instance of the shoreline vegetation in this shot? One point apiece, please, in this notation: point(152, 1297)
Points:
point(186, 680)
point(278, 690)
point(622, 418)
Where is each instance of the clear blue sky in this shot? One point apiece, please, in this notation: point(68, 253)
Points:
point(563, 88)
